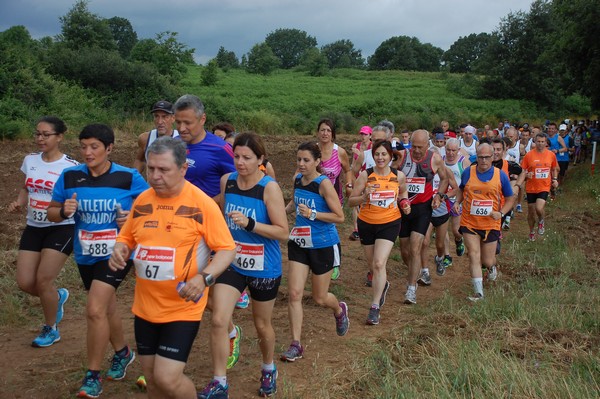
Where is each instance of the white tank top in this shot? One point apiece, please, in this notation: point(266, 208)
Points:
point(514, 153)
point(153, 135)
point(472, 149)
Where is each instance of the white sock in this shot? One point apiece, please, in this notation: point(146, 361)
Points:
point(477, 285)
point(412, 288)
point(233, 333)
point(425, 269)
point(268, 367)
point(439, 258)
point(222, 379)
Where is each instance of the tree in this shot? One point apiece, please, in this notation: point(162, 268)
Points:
point(289, 45)
point(226, 59)
point(463, 54)
point(123, 34)
point(261, 59)
point(405, 53)
point(315, 62)
point(210, 73)
point(80, 28)
point(342, 54)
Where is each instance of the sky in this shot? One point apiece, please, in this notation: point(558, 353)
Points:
point(237, 25)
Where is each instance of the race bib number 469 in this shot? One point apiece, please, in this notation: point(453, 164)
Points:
point(97, 243)
point(250, 257)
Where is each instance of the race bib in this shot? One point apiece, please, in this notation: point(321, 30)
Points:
point(415, 185)
point(37, 210)
point(542, 173)
point(154, 263)
point(302, 236)
point(250, 257)
point(382, 199)
point(97, 243)
point(482, 208)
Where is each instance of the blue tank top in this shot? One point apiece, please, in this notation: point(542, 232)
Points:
point(563, 156)
point(97, 197)
point(322, 234)
point(256, 255)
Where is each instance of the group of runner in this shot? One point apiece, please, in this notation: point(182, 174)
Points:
point(211, 214)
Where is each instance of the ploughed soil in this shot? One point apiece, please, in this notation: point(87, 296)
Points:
point(56, 371)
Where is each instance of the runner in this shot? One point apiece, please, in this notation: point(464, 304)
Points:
point(467, 141)
point(419, 166)
point(97, 195)
point(223, 129)
point(562, 157)
point(255, 212)
point(357, 148)
point(314, 245)
point(174, 228)
point(541, 170)
point(162, 112)
point(44, 246)
point(556, 145)
point(378, 191)
point(481, 189)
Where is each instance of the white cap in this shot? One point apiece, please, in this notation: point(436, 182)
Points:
point(470, 129)
point(562, 127)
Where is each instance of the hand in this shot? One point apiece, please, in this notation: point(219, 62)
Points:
point(303, 210)
point(554, 183)
point(238, 218)
point(369, 189)
point(122, 218)
point(456, 208)
point(193, 289)
point(405, 207)
point(118, 258)
point(437, 201)
point(496, 215)
point(70, 206)
point(14, 207)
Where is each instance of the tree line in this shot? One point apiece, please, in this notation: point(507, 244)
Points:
point(549, 55)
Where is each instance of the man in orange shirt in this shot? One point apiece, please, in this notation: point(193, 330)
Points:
point(171, 230)
point(482, 190)
point(542, 174)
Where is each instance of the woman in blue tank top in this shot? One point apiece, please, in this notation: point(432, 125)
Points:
point(314, 245)
point(255, 213)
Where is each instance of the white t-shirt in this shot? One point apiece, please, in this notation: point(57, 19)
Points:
point(40, 177)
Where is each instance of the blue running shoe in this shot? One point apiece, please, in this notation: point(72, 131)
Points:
point(243, 301)
point(295, 351)
point(214, 390)
point(63, 295)
point(268, 383)
point(47, 337)
point(118, 368)
point(91, 388)
point(342, 322)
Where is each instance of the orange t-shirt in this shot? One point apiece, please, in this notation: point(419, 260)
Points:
point(480, 200)
point(172, 239)
point(541, 165)
point(382, 206)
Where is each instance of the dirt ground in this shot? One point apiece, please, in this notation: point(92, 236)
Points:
point(56, 372)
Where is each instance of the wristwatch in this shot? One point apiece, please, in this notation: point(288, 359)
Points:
point(313, 214)
point(209, 280)
point(442, 196)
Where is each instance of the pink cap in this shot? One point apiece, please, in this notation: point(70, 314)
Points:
point(366, 130)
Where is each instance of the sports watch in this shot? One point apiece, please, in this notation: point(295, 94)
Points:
point(313, 214)
point(209, 280)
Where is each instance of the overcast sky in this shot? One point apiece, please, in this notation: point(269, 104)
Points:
point(237, 25)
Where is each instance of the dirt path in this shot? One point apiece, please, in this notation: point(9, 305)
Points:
point(55, 372)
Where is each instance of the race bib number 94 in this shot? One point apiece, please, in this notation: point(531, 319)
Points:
point(482, 208)
point(250, 257)
point(97, 243)
point(154, 263)
point(382, 199)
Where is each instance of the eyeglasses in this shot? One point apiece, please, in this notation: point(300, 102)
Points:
point(485, 158)
point(43, 136)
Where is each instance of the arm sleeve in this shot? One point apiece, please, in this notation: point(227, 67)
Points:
point(507, 190)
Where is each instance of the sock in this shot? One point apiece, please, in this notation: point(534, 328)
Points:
point(123, 352)
point(541, 221)
point(412, 288)
point(268, 367)
point(375, 305)
point(507, 218)
point(95, 373)
point(53, 326)
point(439, 258)
point(233, 333)
point(425, 269)
point(221, 379)
point(477, 285)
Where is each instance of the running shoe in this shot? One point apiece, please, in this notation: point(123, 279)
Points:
point(519, 208)
point(369, 280)
point(460, 247)
point(342, 322)
point(447, 261)
point(141, 382)
point(492, 273)
point(440, 269)
point(119, 364)
point(214, 390)
point(424, 278)
point(386, 288)
point(294, 352)
point(532, 236)
point(234, 348)
point(541, 229)
point(410, 298)
point(476, 297)
point(92, 386)
point(63, 295)
point(47, 337)
point(373, 317)
point(506, 224)
point(336, 273)
point(268, 383)
point(354, 236)
point(243, 301)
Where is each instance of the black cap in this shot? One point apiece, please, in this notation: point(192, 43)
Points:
point(164, 106)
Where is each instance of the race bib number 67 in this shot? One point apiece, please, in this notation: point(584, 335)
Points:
point(154, 263)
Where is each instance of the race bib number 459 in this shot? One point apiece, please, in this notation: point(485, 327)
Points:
point(302, 236)
point(97, 243)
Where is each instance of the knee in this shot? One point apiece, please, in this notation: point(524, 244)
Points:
point(96, 312)
point(220, 320)
point(379, 264)
point(320, 299)
point(295, 295)
point(27, 286)
point(167, 383)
